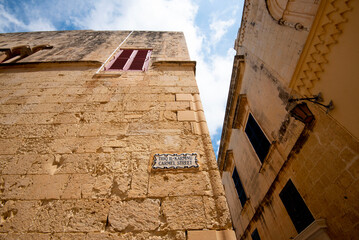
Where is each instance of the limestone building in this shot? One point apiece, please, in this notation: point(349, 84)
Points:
point(289, 150)
point(103, 136)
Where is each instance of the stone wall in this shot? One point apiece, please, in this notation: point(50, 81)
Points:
point(320, 158)
point(76, 148)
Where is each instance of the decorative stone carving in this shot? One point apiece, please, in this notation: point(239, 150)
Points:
point(293, 12)
point(324, 35)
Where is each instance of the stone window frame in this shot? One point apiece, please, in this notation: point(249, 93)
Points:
point(240, 111)
point(129, 62)
point(240, 119)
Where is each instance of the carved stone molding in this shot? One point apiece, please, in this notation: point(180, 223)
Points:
point(242, 29)
point(326, 29)
point(294, 13)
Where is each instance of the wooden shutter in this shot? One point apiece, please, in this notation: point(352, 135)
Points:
point(139, 60)
point(130, 59)
point(120, 62)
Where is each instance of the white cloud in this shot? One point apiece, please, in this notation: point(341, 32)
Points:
point(213, 80)
point(9, 22)
point(219, 28)
point(217, 147)
point(173, 15)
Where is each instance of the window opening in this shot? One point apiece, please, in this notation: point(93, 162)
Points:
point(257, 138)
point(296, 207)
point(255, 235)
point(130, 59)
point(239, 187)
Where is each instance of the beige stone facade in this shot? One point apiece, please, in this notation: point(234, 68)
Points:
point(297, 178)
point(77, 143)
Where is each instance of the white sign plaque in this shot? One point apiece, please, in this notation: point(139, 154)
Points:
point(175, 161)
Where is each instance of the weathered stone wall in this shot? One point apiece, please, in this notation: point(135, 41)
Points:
point(320, 158)
point(76, 148)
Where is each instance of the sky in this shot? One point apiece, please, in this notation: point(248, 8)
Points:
point(210, 28)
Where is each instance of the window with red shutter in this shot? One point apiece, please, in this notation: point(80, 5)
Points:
point(130, 60)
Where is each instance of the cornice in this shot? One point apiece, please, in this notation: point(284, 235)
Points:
point(324, 34)
point(242, 29)
point(234, 89)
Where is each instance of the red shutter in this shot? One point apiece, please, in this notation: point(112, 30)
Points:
point(139, 60)
point(121, 60)
point(130, 59)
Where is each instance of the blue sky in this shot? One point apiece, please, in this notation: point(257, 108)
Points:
point(210, 28)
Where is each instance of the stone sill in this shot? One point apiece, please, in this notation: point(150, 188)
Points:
point(315, 231)
point(159, 64)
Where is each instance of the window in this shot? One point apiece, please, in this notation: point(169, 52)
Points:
point(130, 59)
point(255, 235)
point(296, 207)
point(257, 138)
point(239, 187)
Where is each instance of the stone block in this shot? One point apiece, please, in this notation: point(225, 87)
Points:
point(17, 216)
point(196, 128)
point(175, 106)
point(139, 106)
point(70, 216)
point(163, 184)
point(34, 186)
point(211, 212)
point(89, 130)
point(140, 175)
point(226, 235)
point(183, 97)
point(65, 118)
point(223, 214)
point(202, 234)
point(186, 116)
point(25, 164)
point(153, 235)
point(25, 236)
point(204, 128)
point(9, 146)
point(114, 143)
point(184, 212)
point(211, 235)
point(9, 118)
point(72, 236)
point(200, 116)
point(137, 215)
point(199, 106)
point(216, 183)
point(95, 187)
point(169, 115)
